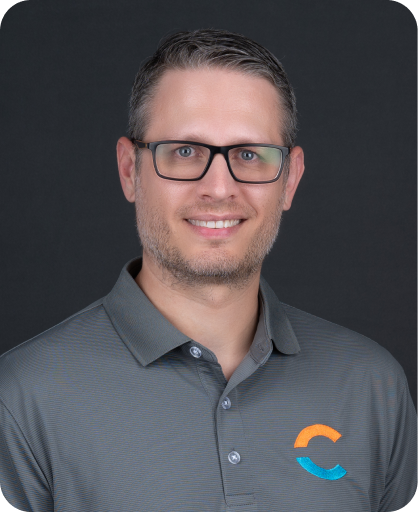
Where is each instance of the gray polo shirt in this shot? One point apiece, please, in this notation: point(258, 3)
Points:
point(115, 410)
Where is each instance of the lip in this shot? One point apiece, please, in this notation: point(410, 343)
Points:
point(214, 233)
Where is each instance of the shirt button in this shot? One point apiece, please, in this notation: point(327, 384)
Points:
point(226, 403)
point(195, 351)
point(234, 457)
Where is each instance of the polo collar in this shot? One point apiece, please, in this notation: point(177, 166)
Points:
point(149, 335)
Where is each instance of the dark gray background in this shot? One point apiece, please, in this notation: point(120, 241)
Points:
point(346, 250)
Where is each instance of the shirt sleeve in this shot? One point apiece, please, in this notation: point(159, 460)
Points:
point(22, 481)
point(401, 475)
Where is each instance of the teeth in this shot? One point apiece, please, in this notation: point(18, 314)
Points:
point(215, 225)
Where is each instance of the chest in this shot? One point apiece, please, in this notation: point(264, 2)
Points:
point(183, 446)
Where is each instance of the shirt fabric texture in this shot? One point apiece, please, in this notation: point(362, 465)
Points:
point(115, 410)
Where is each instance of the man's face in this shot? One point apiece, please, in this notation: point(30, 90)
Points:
point(219, 107)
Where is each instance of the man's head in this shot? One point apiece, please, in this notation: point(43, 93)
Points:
point(217, 88)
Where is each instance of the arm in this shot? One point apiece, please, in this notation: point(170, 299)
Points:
point(401, 474)
point(21, 479)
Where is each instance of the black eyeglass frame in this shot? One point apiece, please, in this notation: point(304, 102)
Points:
point(213, 151)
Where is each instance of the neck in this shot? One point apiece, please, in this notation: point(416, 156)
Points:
point(221, 318)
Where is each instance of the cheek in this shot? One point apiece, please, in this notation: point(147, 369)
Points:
point(148, 188)
point(160, 200)
point(264, 200)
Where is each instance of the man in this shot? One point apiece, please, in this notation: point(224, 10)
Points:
point(190, 387)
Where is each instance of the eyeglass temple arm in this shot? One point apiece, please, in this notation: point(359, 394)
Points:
point(139, 143)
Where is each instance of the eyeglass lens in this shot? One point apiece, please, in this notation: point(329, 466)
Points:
point(188, 161)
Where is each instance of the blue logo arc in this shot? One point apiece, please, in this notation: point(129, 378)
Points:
point(328, 474)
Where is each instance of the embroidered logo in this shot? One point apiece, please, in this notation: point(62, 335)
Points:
point(302, 442)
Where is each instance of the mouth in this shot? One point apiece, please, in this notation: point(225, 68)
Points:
point(219, 229)
point(218, 224)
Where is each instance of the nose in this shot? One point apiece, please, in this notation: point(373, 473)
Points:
point(217, 183)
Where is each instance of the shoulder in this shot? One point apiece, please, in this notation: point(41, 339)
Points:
point(321, 339)
point(33, 360)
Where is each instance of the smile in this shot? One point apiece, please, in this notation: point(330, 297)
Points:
point(215, 224)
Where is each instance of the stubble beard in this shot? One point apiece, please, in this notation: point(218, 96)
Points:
point(215, 266)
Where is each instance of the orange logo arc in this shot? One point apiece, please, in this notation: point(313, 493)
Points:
point(315, 430)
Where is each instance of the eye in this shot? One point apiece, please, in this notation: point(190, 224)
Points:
point(248, 155)
point(185, 151)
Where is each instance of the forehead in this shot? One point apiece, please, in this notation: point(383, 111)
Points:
point(216, 103)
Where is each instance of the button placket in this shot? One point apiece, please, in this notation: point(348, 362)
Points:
point(235, 464)
point(237, 476)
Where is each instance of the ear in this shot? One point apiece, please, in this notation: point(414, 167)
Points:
point(126, 165)
point(297, 166)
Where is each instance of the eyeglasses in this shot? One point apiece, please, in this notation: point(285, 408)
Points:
point(183, 160)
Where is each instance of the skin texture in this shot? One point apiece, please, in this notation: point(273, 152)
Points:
point(207, 285)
